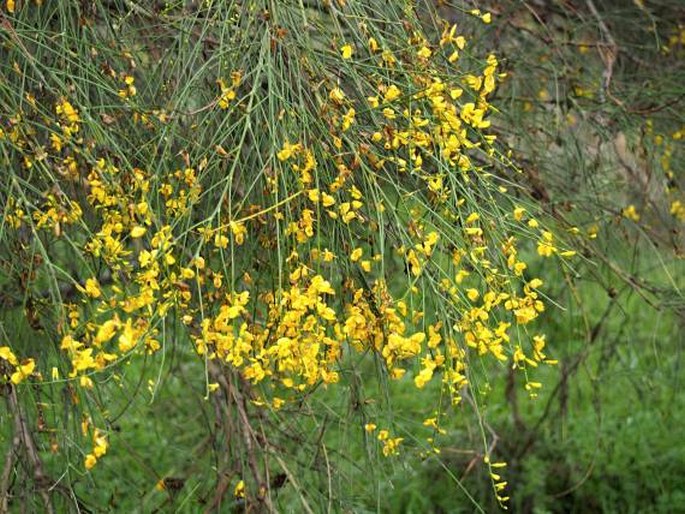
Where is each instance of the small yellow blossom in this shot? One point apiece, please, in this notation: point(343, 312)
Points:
point(392, 93)
point(138, 231)
point(424, 52)
point(227, 94)
point(239, 231)
point(23, 371)
point(90, 461)
point(239, 490)
point(348, 119)
point(288, 151)
point(6, 354)
point(346, 51)
point(631, 213)
point(93, 288)
point(336, 95)
point(546, 247)
point(677, 210)
point(373, 44)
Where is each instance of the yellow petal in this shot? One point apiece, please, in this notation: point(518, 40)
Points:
point(138, 231)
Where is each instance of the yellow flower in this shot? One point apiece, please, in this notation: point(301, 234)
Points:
point(677, 210)
point(187, 273)
point(128, 338)
point(346, 51)
point(392, 93)
point(220, 240)
point(373, 44)
point(423, 377)
point(631, 213)
point(227, 94)
point(391, 446)
point(314, 195)
point(83, 360)
point(68, 112)
point(23, 371)
point(99, 444)
point(472, 294)
point(430, 422)
point(6, 354)
point(356, 254)
point(138, 231)
point(288, 151)
point(545, 246)
point(535, 283)
point(424, 52)
point(327, 200)
point(145, 257)
point(93, 288)
point(239, 231)
point(106, 331)
point(474, 216)
point(348, 119)
point(91, 460)
point(239, 491)
point(130, 89)
point(336, 95)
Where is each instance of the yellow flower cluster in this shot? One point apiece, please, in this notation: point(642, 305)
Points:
point(18, 371)
point(390, 444)
point(251, 274)
point(100, 446)
point(228, 93)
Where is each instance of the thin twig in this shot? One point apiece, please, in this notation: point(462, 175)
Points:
point(7, 473)
point(22, 431)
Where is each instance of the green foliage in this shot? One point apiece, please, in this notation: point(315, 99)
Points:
point(231, 122)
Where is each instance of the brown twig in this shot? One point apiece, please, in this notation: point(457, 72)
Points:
point(21, 430)
point(608, 53)
point(6, 474)
point(248, 433)
point(250, 438)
